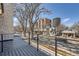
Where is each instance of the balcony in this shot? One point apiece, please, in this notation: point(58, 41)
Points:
point(18, 47)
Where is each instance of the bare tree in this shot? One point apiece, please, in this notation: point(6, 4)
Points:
point(21, 16)
point(75, 26)
point(29, 12)
point(34, 12)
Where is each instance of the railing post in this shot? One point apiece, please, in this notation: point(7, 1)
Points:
point(29, 38)
point(37, 42)
point(1, 42)
point(55, 46)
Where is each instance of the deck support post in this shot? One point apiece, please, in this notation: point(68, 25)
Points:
point(29, 39)
point(55, 41)
point(55, 46)
point(37, 42)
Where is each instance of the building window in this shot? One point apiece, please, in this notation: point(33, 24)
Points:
point(1, 9)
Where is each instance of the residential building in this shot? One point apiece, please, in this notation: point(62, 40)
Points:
point(42, 25)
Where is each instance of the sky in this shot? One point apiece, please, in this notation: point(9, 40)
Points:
point(69, 13)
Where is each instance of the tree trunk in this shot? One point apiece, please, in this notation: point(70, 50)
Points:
point(31, 34)
point(30, 30)
point(24, 33)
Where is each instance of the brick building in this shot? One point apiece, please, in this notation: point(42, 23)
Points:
point(42, 24)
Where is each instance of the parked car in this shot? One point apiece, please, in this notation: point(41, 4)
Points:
point(17, 35)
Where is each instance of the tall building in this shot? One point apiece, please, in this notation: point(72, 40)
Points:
point(6, 20)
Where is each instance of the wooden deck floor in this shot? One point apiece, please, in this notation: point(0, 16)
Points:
point(18, 47)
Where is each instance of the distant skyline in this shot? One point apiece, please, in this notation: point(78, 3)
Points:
point(69, 13)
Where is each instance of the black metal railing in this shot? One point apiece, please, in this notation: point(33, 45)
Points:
point(37, 42)
point(61, 46)
point(57, 43)
point(2, 40)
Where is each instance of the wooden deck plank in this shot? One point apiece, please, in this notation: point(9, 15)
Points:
point(29, 51)
point(15, 52)
point(24, 53)
point(9, 53)
point(20, 48)
point(12, 53)
point(33, 51)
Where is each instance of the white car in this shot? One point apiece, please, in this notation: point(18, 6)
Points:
point(17, 35)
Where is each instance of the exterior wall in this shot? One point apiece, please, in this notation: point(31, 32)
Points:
point(6, 21)
point(41, 24)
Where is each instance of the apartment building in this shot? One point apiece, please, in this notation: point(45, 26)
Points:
point(42, 25)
